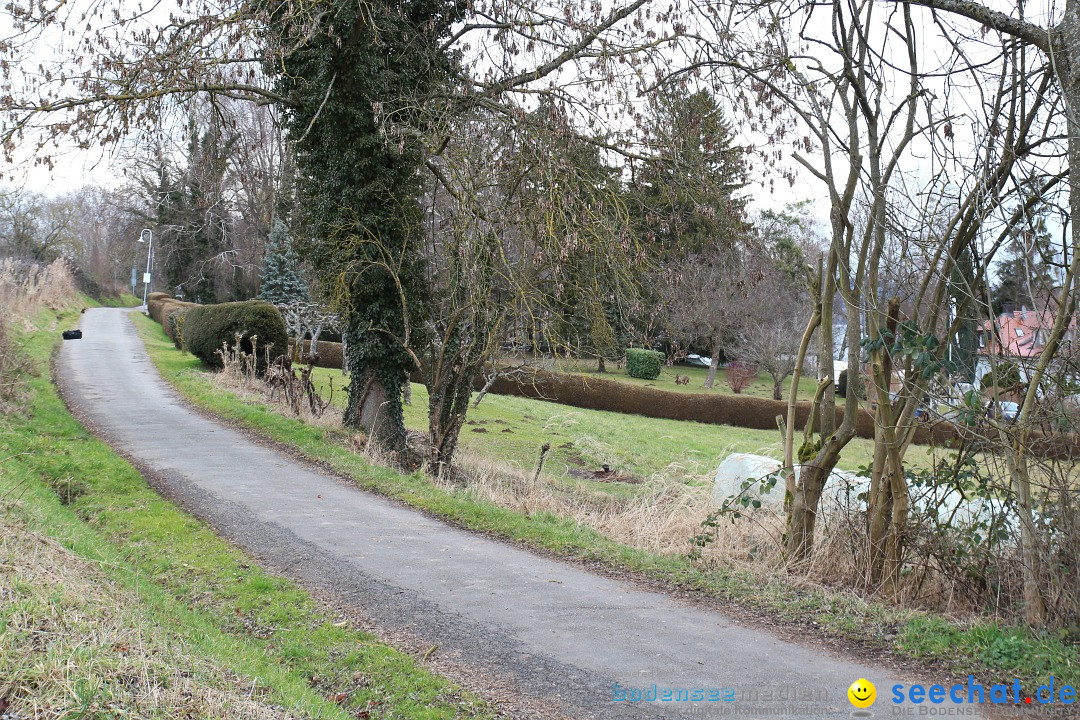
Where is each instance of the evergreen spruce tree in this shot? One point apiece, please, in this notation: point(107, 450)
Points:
point(686, 192)
point(1024, 277)
point(281, 279)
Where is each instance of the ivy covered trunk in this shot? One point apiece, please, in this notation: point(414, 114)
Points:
point(358, 81)
point(376, 381)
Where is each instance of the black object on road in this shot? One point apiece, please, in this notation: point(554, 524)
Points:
point(73, 334)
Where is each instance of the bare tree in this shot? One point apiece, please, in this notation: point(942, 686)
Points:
point(775, 319)
point(854, 102)
point(517, 216)
point(708, 296)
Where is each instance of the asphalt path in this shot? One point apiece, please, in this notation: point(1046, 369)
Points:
point(564, 638)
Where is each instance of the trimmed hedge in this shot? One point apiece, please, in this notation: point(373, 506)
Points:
point(738, 410)
point(330, 354)
point(169, 313)
point(209, 327)
point(644, 364)
point(155, 301)
point(174, 318)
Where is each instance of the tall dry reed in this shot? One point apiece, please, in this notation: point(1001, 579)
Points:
point(26, 287)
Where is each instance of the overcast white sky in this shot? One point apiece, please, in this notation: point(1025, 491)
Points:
point(77, 168)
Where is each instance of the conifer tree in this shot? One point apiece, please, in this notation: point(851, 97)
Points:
point(281, 279)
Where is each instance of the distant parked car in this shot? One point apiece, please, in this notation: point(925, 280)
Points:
point(1005, 410)
point(698, 360)
point(1009, 411)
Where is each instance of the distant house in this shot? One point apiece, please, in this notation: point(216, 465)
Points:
point(1015, 335)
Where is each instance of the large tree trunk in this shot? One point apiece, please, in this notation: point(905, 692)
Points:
point(375, 389)
point(376, 409)
point(712, 367)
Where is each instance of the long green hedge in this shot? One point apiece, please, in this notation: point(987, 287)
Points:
point(207, 328)
point(738, 410)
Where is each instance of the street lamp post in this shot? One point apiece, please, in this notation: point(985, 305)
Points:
point(146, 236)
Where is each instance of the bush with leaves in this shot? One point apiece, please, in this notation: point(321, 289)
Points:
point(1005, 376)
point(210, 328)
point(644, 364)
point(174, 322)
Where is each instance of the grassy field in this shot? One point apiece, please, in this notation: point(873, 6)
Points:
point(114, 603)
point(512, 429)
point(973, 645)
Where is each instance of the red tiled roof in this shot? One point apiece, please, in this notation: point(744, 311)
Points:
point(1022, 332)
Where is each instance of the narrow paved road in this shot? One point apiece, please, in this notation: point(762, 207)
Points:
point(559, 633)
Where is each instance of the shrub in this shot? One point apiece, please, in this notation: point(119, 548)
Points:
point(329, 354)
point(174, 323)
point(1005, 377)
point(168, 312)
point(155, 303)
point(644, 364)
point(740, 375)
point(210, 328)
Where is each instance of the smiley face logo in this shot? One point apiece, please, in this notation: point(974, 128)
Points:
point(862, 693)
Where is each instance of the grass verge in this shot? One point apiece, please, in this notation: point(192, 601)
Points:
point(124, 299)
point(983, 647)
point(174, 604)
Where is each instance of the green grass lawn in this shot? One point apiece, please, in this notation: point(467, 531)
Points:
point(974, 645)
point(125, 299)
point(512, 429)
point(185, 586)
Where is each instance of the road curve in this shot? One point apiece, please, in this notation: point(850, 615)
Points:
point(559, 634)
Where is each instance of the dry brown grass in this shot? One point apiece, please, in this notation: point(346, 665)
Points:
point(282, 387)
point(661, 516)
point(13, 370)
point(75, 644)
point(26, 288)
point(668, 510)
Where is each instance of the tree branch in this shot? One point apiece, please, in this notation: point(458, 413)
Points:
point(1036, 35)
